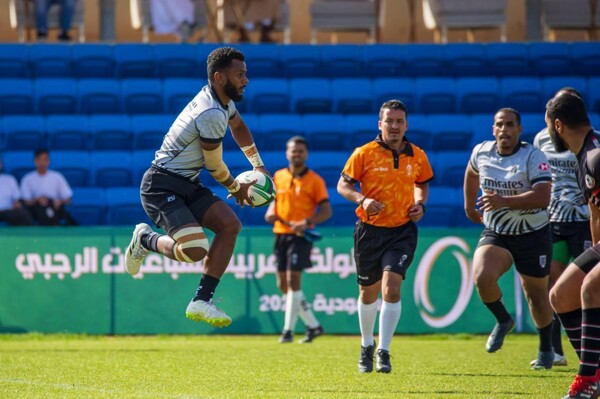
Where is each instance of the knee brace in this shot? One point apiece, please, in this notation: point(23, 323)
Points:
point(189, 238)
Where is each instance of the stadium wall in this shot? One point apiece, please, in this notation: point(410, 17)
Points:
point(73, 280)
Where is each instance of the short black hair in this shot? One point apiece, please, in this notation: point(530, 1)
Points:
point(393, 104)
point(297, 140)
point(511, 110)
point(569, 109)
point(39, 151)
point(569, 90)
point(220, 59)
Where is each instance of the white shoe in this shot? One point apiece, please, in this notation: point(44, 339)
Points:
point(135, 254)
point(208, 312)
point(559, 360)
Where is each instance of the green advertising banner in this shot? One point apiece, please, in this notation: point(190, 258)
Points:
point(74, 280)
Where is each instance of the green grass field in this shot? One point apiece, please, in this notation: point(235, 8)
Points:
point(229, 366)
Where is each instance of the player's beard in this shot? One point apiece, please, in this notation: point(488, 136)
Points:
point(558, 142)
point(232, 92)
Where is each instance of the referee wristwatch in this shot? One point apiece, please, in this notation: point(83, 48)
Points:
point(422, 206)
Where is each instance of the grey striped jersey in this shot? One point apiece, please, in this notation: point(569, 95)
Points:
point(567, 203)
point(510, 175)
point(203, 118)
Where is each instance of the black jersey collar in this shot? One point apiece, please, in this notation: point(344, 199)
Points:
point(407, 150)
point(215, 95)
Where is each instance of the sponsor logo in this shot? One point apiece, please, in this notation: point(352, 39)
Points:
point(381, 169)
point(543, 261)
point(171, 198)
point(544, 166)
point(362, 277)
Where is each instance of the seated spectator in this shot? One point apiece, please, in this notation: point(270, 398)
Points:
point(12, 210)
point(173, 16)
point(46, 192)
point(67, 9)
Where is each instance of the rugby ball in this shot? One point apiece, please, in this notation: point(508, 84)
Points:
point(263, 191)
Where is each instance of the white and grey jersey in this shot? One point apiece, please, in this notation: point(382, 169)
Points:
point(510, 175)
point(203, 119)
point(567, 203)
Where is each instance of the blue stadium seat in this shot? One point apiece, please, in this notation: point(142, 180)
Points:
point(125, 207)
point(478, 95)
point(418, 132)
point(275, 160)
point(14, 61)
point(341, 60)
point(111, 168)
point(509, 59)
point(67, 132)
point(51, 60)
point(551, 85)
point(594, 95)
point(435, 95)
point(450, 168)
point(56, 96)
point(17, 163)
point(178, 92)
point(2, 143)
point(550, 59)
point(252, 216)
point(343, 212)
point(74, 165)
point(522, 94)
point(262, 61)
point(277, 129)
point(331, 174)
point(441, 207)
point(135, 61)
point(450, 132)
point(594, 120)
point(268, 96)
point(16, 96)
point(425, 60)
point(532, 123)
point(142, 96)
point(311, 96)
point(352, 96)
point(482, 128)
point(466, 59)
point(402, 89)
point(325, 132)
point(140, 162)
point(585, 58)
point(301, 60)
point(150, 130)
point(177, 60)
point(99, 96)
point(361, 130)
point(252, 121)
point(25, 132)
point(383, 60)
point(93, 61)
point(110, 132)
point(88, 206)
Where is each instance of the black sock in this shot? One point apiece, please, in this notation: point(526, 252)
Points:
point(556, 336)
point(545, 334)
point(590, 342)
point(498, 310)
point(206, 288)
point(571, 322)
point(150, 241)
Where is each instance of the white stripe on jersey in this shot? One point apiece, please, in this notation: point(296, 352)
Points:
point(510, 175)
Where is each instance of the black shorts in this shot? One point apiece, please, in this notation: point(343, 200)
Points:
point(589, 259)
point(531, 252)
point(577, 236)
point(172, 201)
point(377, 249)
point(292, 252)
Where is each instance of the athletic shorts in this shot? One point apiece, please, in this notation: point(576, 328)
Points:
point(172, 201)
point(531, 252)
point(569, 240)
point(292, 252)
point(377, 249)
point(588, 259)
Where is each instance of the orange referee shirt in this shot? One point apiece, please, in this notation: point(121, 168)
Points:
point(297, 197)
point(388, 177)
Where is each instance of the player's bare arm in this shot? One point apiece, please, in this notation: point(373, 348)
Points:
point(538, 197)
point(470, 189)
point(242, 136)
point(348, 191)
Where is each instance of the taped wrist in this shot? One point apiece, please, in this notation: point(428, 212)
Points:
point(213, 161)
point(253, 156)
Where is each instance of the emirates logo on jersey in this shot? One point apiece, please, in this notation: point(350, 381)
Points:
point(589, 182)
point(544, 166)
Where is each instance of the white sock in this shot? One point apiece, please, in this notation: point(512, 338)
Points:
point(366, 319)
point(388, 320)
point(292, 307)
point(306, 313)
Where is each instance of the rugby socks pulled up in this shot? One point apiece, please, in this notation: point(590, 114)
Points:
point(498, 310)
point(571, 322)
point(306, 313)
point(206, 288)
point(557, 336)
point(388, 320)
point(545, 334)
point(366, 320)
point(590, 342)
point(292, 308)
point(150, 241)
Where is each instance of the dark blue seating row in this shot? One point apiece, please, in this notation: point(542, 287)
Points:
point(333, 132)
point(178, 60)
point(299, 95)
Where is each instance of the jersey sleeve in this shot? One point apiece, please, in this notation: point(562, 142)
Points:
point(321, 193)
point(426, 173)
point(473, 159)
point(211, 125)
point(353, 170)
point(231, 110)
point(538, 168)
